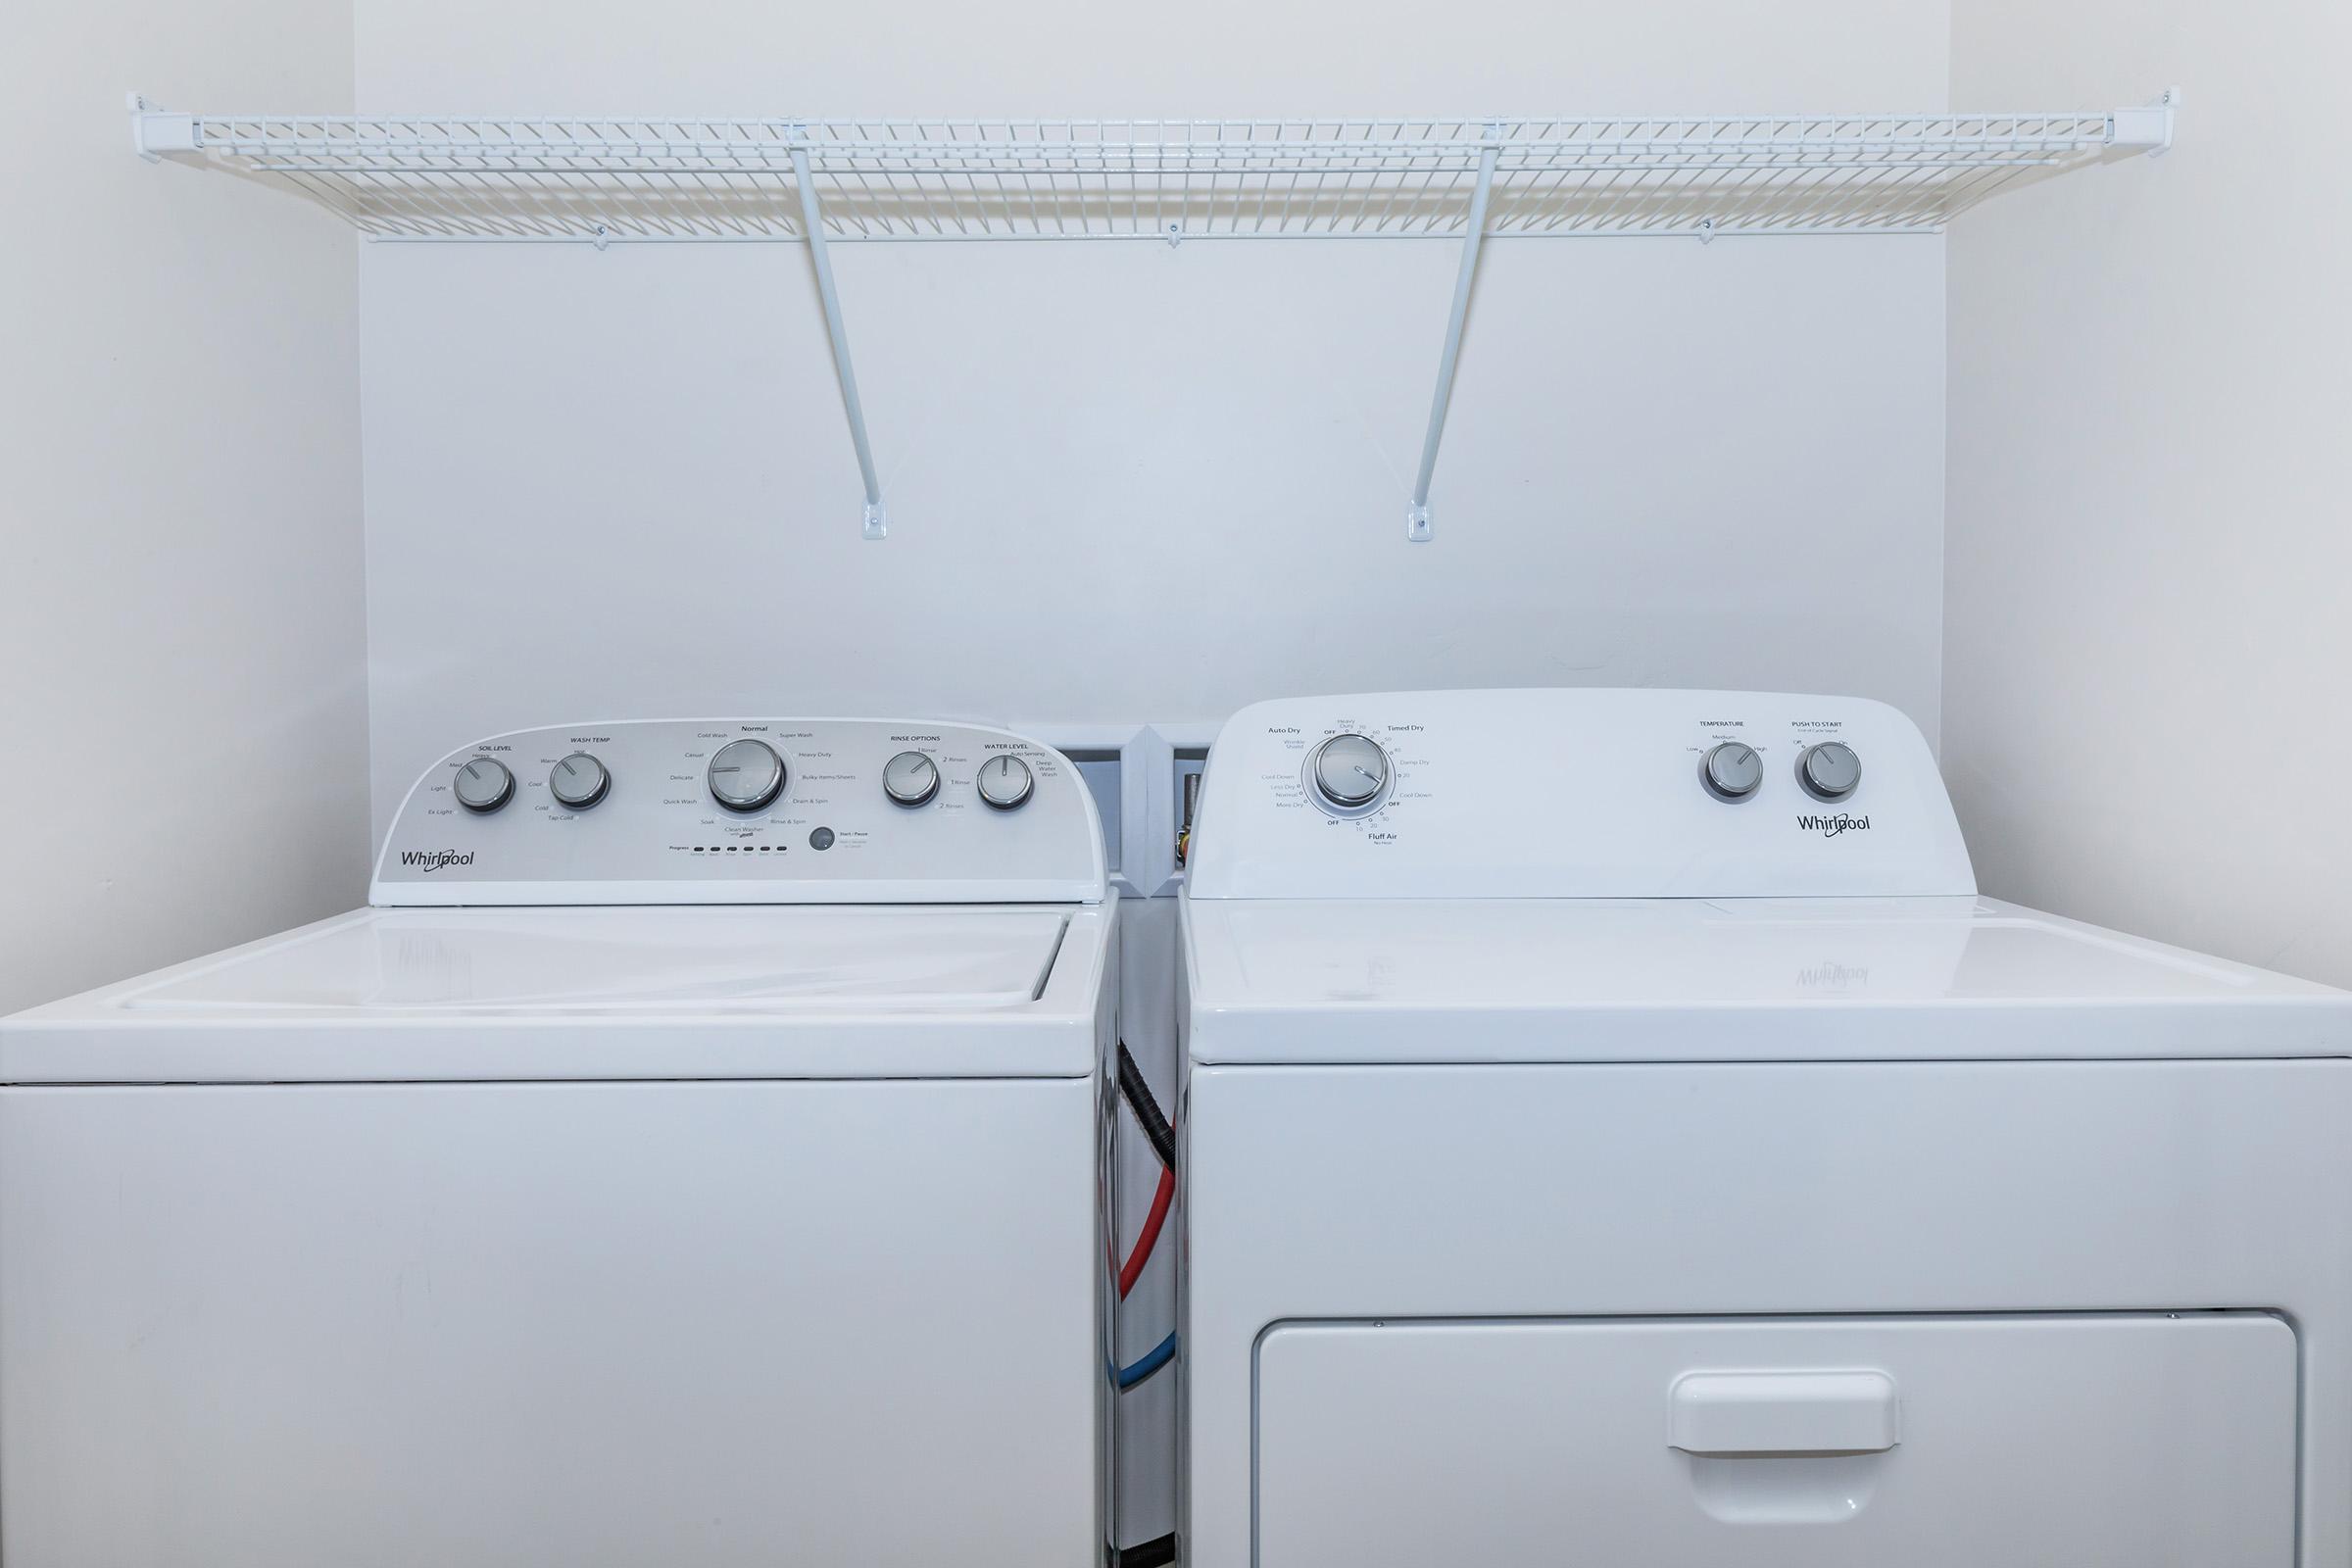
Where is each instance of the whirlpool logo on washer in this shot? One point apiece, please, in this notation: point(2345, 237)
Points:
point(1828, 827)
point(431, 861)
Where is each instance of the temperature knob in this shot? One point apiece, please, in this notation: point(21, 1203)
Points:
point(910, 778)
point(746, 775)
point(1829, 771)
point(484, 785)
point(1732, 771)
point(1006, 782)
point(578, 781)
point(1349, 772)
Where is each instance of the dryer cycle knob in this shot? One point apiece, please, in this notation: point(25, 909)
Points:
point(1829, 771)
point(1732, 771)
point(1349, 772)
point(910, 778)
point(747, 775)
point(1006, 782)
point(578, 781)
point(483, 785)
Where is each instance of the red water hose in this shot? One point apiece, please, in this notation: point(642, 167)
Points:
point(1161, 1197)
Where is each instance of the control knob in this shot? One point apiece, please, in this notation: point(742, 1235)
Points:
point(1006, 782)
point(1829, 771)
point(578, 781)
point(1732, 771)
point(484, 785)
point(910, 778)
point(746, 775)
point(1349, 772)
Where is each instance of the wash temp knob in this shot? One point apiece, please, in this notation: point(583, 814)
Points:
point(484, 785)
point(1006, 782)
point(578, 781)
point(1829, 771)
point(746, 775)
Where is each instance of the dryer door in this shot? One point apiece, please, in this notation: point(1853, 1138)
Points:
point(2075, 1442)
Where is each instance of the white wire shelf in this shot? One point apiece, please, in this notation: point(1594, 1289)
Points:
point(603, 179)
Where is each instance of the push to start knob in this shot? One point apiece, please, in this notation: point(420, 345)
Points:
point(1732, 771)
point(746, 775)
point(578, 781)
point(484, 785)
point(910, 778)
point(1829, 771)
point(1348, 773)
point(1006, 782)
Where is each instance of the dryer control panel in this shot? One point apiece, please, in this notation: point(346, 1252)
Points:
point(1574, 793)
point(788, 810)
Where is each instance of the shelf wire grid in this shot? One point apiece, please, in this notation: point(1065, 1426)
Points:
point(601, 179)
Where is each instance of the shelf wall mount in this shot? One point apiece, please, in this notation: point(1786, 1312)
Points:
point(601, 181)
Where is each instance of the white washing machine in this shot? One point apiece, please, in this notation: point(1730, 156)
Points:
point(692, 1156)
point(1617, 1133)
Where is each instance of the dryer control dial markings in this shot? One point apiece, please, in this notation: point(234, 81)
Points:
point(1829, 770)
point(910, 778)
point(578, 781)
point(747, 775)
point(1732, 771)
point(484, 785)
point(1006, 782)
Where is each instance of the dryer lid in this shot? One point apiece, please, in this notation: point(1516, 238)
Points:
point(1731, 980)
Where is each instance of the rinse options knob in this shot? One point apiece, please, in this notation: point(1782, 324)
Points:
point(1829, 771)
point(484, 785)
point(746, 775)
point(910, 778)
point(1006, 782)
point(1349, 772)
point(578, 781)
point(1732, 771)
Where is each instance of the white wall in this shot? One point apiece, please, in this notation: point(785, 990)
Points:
point(1129, 482)
point(181, 658)
point(2148, 640)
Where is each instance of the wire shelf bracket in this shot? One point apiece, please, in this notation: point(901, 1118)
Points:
point(601, 181)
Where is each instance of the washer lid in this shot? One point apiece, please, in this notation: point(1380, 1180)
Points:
point(565, 992)
point(1697, 980)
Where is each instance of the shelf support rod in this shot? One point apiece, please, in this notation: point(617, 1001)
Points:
point(813, 225)
point(1416, 520)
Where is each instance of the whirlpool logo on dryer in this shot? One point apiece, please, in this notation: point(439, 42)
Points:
point(1828, 827)
point(431, 861)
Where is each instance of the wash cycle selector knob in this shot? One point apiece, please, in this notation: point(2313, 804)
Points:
point(1006, 782)
point(1348, 773)
point(484, 785)
point(1829, 771)
point(746, 775)
point(1732, 771)
point(578, 781)
point(910, 778)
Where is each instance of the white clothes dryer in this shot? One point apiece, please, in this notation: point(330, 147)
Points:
point(1616, 1131)
point(692, 1156)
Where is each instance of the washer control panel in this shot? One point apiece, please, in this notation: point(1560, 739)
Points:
point(1574, 793)
point(746, 812)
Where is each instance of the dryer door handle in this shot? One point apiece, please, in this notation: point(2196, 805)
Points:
point(1757, 1413)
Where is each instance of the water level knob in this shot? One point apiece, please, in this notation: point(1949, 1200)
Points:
point(1006, 782)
